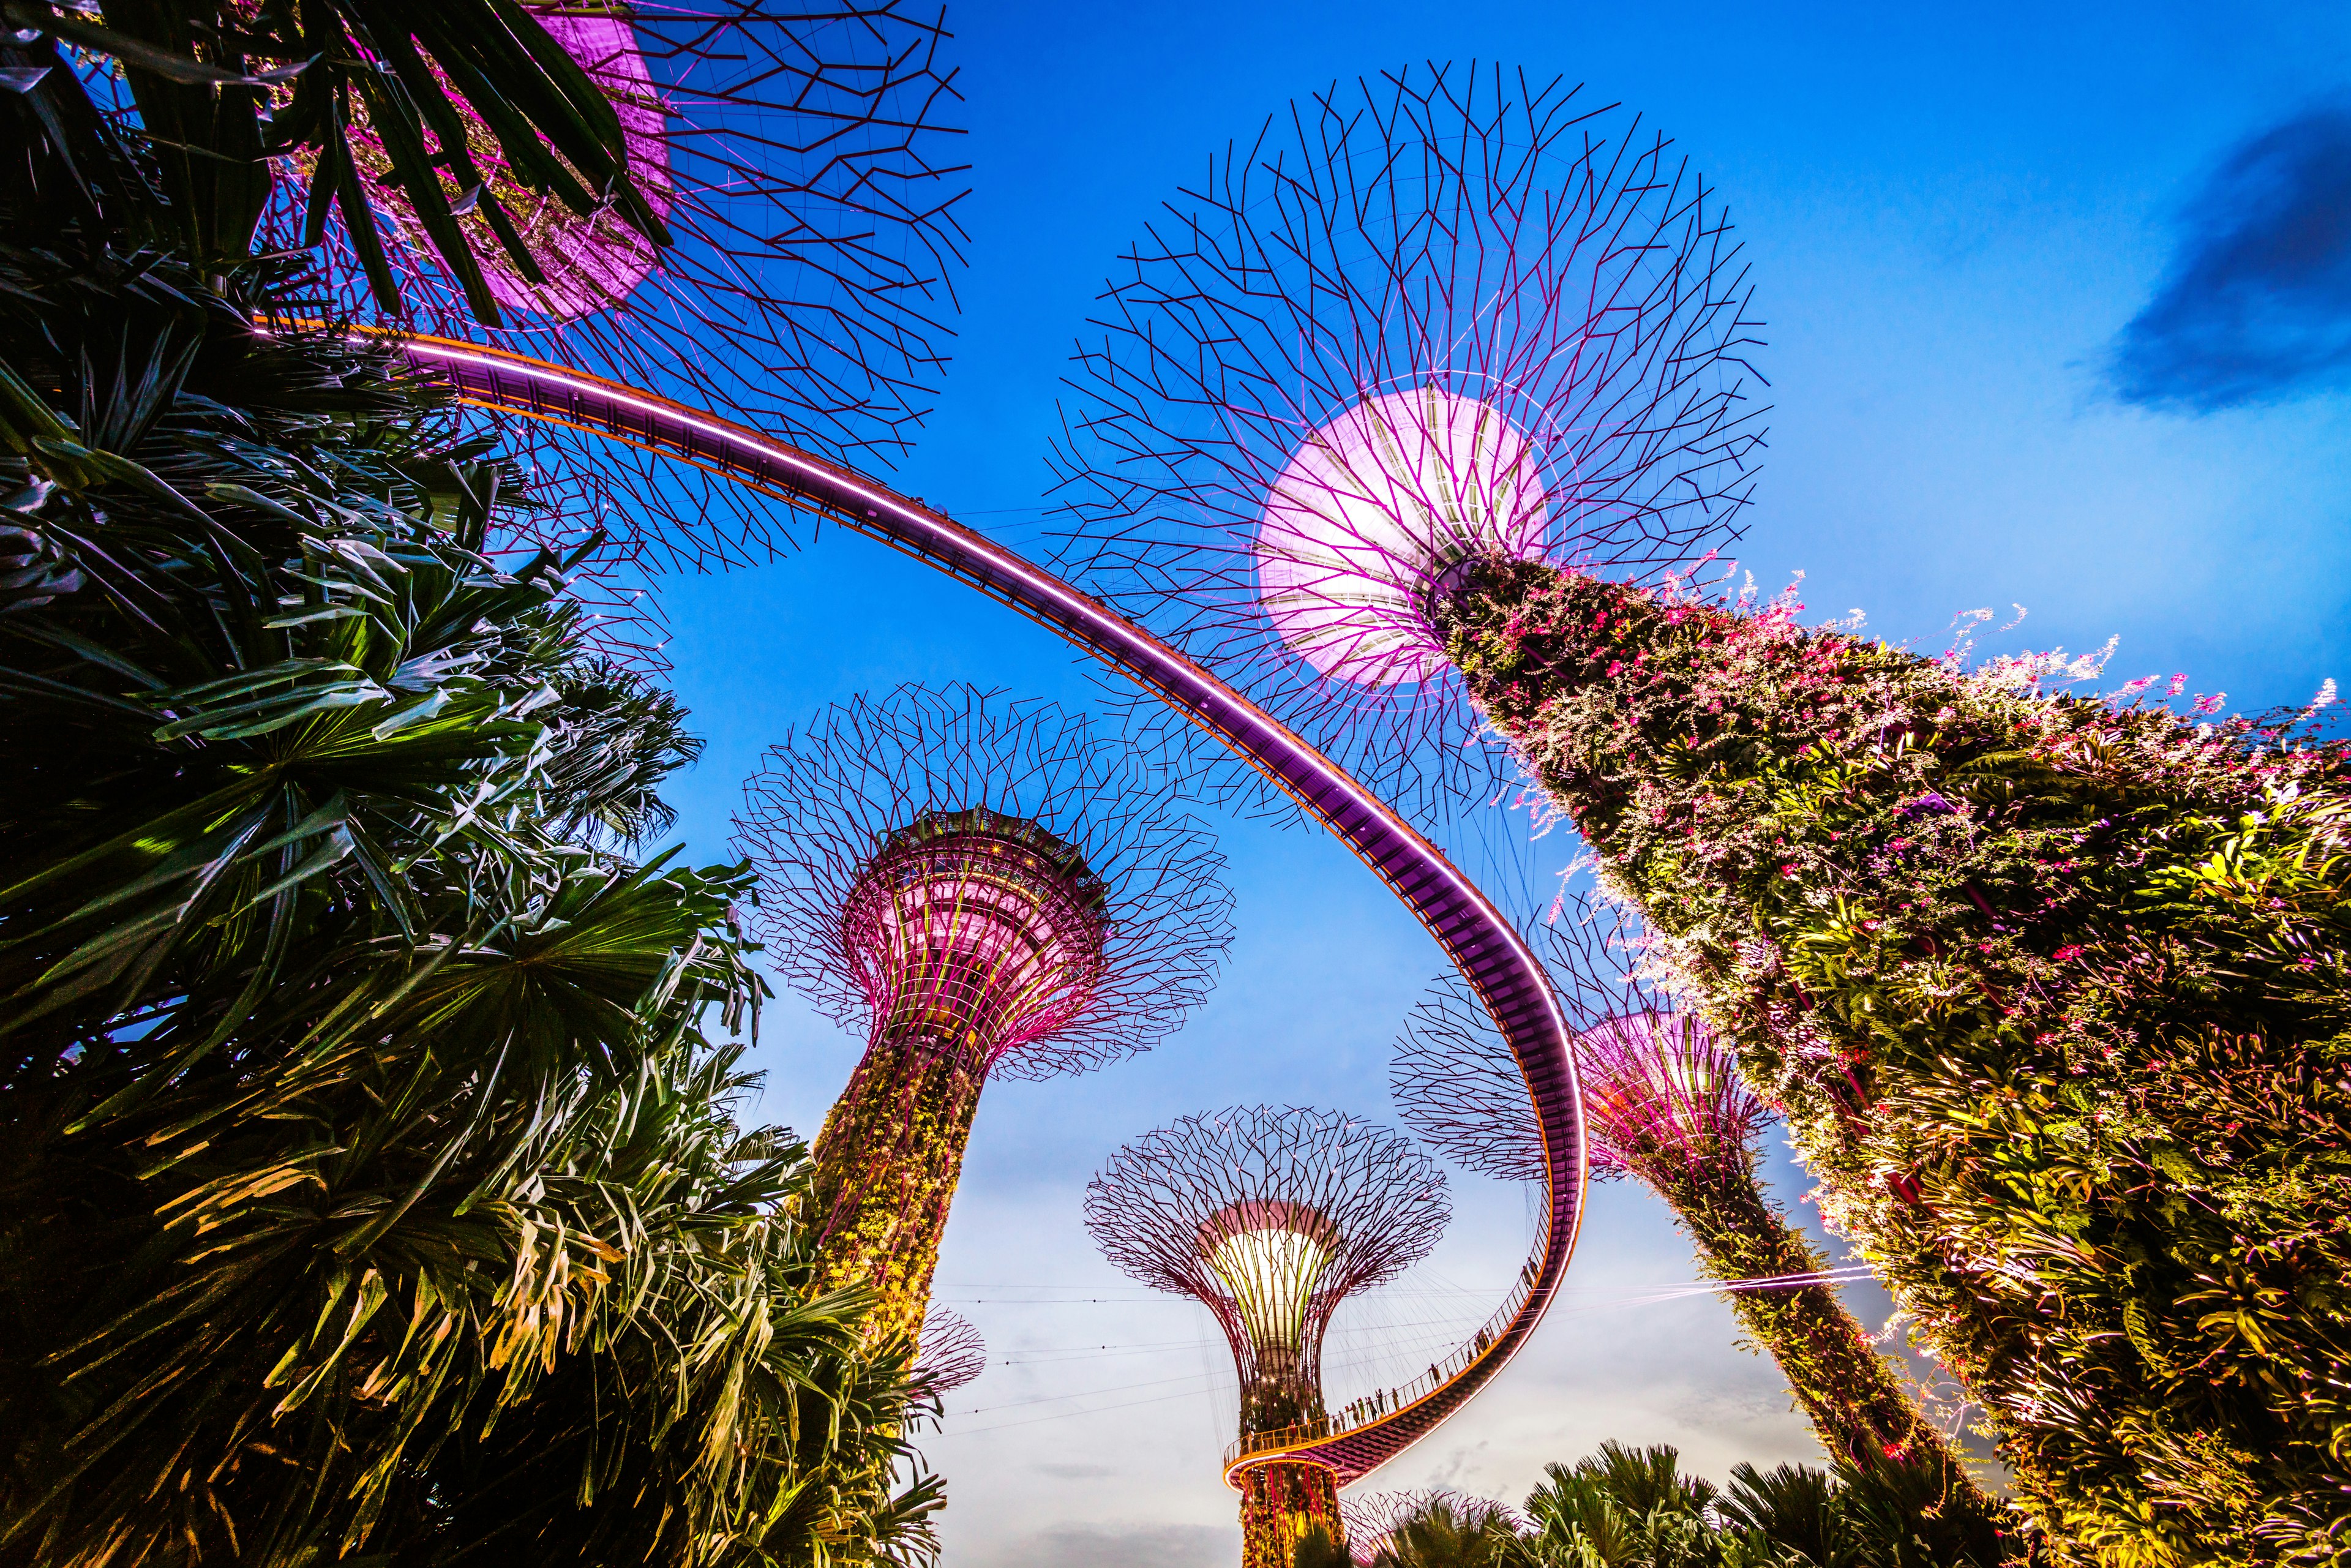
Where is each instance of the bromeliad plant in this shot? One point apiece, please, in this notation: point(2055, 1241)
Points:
point(2053, 991)
point(367, 1183)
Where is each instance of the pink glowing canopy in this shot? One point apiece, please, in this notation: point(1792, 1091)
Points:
point(1372, 508)
point(990, 877)
point(595, 262)
point(1657, 1085)
point(979, 931)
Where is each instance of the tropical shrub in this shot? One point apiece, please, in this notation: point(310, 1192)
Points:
point(2052, 992)
point(369, 1184)
point(231, 98)
point(1634, 1508)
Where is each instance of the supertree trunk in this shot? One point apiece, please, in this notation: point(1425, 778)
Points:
point(1857, 1405)
point(2052, 993)
point(887, 1161)
point(1279, 1503)
point(1270, 1219)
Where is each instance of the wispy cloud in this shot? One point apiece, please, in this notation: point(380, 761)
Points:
point(2256, 306)
point(1139, 1546)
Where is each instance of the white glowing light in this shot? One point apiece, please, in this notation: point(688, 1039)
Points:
point(1271, 1271)
point(1374, 507)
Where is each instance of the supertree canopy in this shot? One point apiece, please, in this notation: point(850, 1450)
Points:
point(783, 243)
point(986, 888)
point(1665, 1103)
point(1270, 1218)
point(1419, 319)
point(952, 1351)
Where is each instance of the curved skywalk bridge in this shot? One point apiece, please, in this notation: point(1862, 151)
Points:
point(1475, 935)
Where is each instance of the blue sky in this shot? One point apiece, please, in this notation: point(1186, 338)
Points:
point(1954, 222)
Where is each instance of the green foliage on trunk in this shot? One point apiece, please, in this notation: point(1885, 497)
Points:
point(1854, 1398)
point(367, 1183)
point(887, 1161)
point(2054, 993)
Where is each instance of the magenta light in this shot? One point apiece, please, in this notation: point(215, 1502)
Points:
point(1362, 525)
point(1657, 1085)
point(592, 263)
point(978, 929)
point(994, 879)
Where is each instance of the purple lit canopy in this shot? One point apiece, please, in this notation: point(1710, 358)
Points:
point(1433, 316)
point(991, 875)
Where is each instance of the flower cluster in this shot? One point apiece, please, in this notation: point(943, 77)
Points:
point(2053, 991)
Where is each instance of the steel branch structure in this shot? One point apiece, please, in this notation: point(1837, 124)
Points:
point(953, 1350)
point(1508, 979)
point(986, 888)
point(1657, 1088)
point(1419, 320)
point(797, 159)
point(991, 877)
point(1270, 1218)
point(800, 161)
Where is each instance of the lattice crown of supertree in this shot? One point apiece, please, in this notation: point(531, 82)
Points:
point(1656, 1084)
point(1421, 319)
point(1270, 1217)
point(989, 876)
point(794, 158)
point(1456, 1085)
point(952, 1353)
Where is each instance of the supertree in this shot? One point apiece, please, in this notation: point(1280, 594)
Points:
point(1270, 1218)
point(1665, 1103)
point(987, 888)
point(952, 1350)
point(1416, 320)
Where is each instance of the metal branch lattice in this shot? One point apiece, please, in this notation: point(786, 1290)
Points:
point(1456, 1085)
point(988, 874)
point(799, 161)
point(953, 1350)
point(1270, 1219)
point(1657, 1085)
point(1434, 317)
point(796, 157)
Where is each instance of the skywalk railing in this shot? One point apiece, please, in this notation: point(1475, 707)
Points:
point(1372, 1407)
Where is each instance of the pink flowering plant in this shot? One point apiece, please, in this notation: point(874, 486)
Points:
point(2052, 990)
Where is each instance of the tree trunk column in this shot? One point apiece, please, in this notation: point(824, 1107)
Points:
point(1278, 1503)
point(887, 1161)
point(1855, 1399)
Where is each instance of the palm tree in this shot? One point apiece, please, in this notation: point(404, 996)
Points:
point(1447, 1532)
point(370, 1182)
point(1623, 1508)
point(1791, 1516)
point(449, 92)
